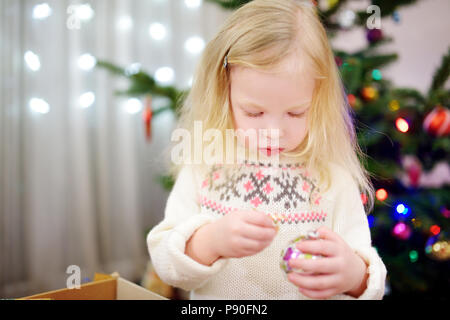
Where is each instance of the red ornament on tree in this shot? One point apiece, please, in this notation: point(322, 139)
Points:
point(147, 115)
point(413, 168)
point(414, 173)
point(437, 122)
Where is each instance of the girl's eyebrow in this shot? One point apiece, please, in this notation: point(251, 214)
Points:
point(250, 104)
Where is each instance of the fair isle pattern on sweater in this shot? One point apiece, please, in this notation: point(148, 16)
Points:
point(287, 191)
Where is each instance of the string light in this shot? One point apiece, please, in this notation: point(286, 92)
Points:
point(125, 23)
point(86, 99)
point(32, 60)
point(401, 231)
point(157, 31)
point(194, 44)
point(42, 11)
point(364, 198)
point(376, 75)
point(394, 105)
point(402, 125)
point(39, 105)
point(413, 255)
point(87, 62)
point(371, 221)
point(381, 194)
point(133, 106)
point(435, 229)
point(402, 209)
point(84, 12)
point(193, 4)
point(164, 75)
point(399, 228)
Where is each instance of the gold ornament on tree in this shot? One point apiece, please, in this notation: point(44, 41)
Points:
point(438, 247)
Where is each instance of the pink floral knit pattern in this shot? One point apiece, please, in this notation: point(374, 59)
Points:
point(286, 192)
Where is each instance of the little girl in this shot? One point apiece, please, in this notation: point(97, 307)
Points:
point(270, 68)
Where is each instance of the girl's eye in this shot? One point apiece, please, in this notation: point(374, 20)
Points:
point(253, 115)
point(297, 115)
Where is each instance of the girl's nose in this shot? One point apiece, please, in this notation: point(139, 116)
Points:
point(273, 135)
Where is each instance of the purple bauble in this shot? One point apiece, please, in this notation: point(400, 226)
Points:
point(374, 35)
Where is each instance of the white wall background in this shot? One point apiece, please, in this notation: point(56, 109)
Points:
point(78, 185)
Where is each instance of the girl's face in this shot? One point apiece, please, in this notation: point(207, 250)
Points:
point(280, 100)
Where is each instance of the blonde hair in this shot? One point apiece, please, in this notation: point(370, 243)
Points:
point(260, 35)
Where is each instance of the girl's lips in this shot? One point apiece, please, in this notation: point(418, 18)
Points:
point(270, 151)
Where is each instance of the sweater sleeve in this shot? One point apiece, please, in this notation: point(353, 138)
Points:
point(351, 224)
point(167, 241)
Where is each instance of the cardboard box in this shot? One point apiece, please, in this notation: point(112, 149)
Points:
point(104, 287)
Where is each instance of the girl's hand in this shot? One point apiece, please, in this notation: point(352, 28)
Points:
point(340, 270)
point(242, 233)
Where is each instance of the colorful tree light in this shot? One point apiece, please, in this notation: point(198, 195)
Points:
point(363, 198)
point(351, 100)
point(413, 255)
point(401, 231)
point(381, 194)
point(402, 209)
point(402, 125)
point(371, 221)
point(435, 229)
point(376, 74)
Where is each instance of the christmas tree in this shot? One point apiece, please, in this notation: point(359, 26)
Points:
point(404, 133)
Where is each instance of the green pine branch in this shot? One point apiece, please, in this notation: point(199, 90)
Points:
point(375, 62)
point(230, 4)
point(142, 84)
point(388, 7)
point(441, 74)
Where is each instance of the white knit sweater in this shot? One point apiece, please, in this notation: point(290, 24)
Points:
point(286, 190)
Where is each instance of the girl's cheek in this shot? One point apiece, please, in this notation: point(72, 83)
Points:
point(297, 133)
point(249, 140)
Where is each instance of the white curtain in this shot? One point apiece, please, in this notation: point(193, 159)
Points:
point(78, 185)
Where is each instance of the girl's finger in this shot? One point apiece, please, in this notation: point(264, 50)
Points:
point(318, 247)
point(328, 234)
point(318, 294)
point(258, 218)
point(313, 282)
point(255, 232)
point(321, 265)
point(249, 244)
